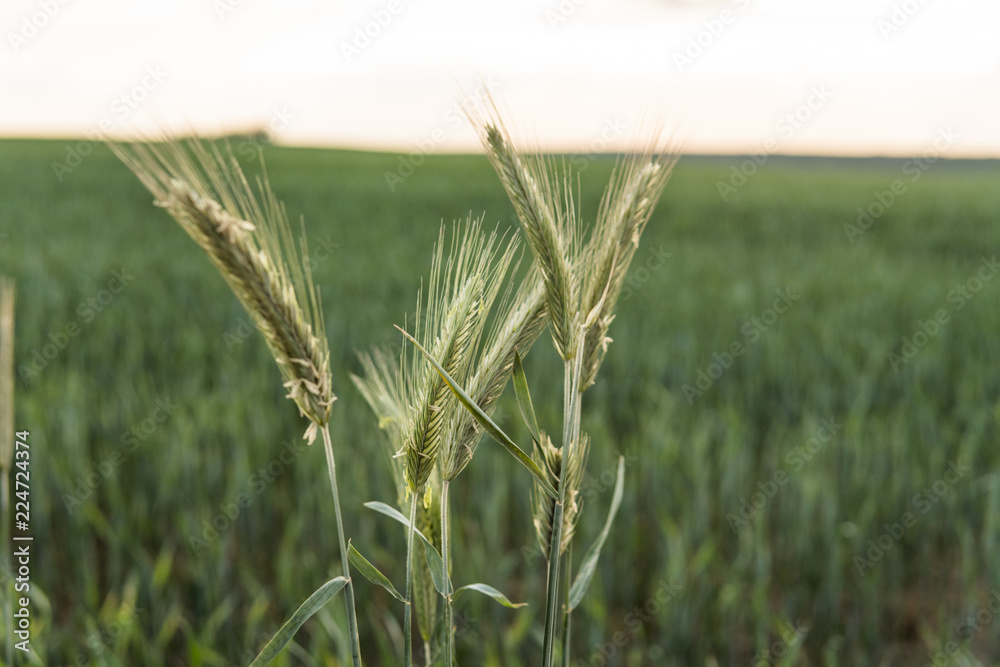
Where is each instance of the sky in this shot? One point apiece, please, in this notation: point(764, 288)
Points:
point(834, 77)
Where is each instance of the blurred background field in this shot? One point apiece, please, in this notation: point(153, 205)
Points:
point(119, 574)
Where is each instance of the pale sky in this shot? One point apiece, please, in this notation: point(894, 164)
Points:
point(842, 77)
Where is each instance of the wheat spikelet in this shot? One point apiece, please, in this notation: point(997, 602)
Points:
point(250, 243)
point(550, 460)
point(550, 228)
point(460, 295)
point(628, 203)
point(520, 322)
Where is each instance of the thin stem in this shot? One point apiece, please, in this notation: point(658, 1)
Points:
point(552, 586)
point(427, 653)
point(566, 609)
point(352, 619)
point(571, 433)
point(449, 631)
point(408, 610)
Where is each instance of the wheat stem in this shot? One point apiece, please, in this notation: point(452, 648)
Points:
point(566, 609)
point(352, 620)
point(449, 630)
point(572, 373)
point(552, 585)
point(408, 609)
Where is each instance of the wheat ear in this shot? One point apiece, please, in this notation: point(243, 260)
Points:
point(519, 323)
point(550, 460)
point(460, 295)
point(545, 209)
point(250, 243)
point(628, 203)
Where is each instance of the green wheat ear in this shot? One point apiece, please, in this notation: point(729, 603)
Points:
point(545, 208)
point(550, 459)
point(519, 323)
point(628, 203)
point(411, 399)
point(247, 237)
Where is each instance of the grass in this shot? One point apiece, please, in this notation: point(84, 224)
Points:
point(162, 372)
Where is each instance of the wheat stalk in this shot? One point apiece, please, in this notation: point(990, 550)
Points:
point(582, 285)
point(249, 242)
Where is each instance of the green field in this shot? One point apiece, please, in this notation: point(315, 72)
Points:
point(815, 486)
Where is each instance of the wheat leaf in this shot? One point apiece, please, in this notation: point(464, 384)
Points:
point(434, 561)
point(589, 563)
point(493, 593)
point(314, 603)
point(495, 432)
point(370, 572)
point(524, 396)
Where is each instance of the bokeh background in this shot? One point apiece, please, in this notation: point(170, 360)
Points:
point(828, 496)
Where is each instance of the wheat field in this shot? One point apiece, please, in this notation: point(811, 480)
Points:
point(804, 395)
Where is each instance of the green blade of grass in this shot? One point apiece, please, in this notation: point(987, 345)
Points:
point(484, 420)
point(433, 555)
point(589, 563)
point(524, 397)
point(436, 566)
point(493, 593)
point(314, 603)
point(371, 573)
